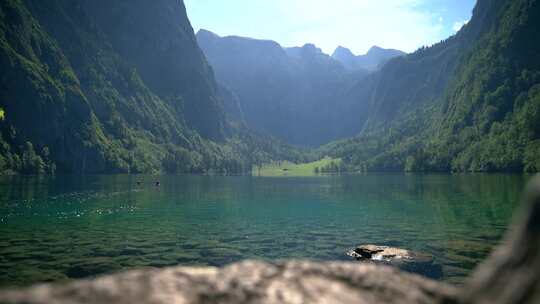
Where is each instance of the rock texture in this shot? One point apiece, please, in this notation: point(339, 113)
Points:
point(403, 259)
point(247, 282)
point(375, 252)
point(511, 275)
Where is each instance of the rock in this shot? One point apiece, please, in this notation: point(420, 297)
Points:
point(247, 282)
point(402, 258)
point(379, 253)
point(512, 273)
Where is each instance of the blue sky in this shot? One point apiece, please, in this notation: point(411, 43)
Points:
point(356, 24)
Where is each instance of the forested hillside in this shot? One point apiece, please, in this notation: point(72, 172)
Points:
point(113, 87)
point(470, 103)
point(100, 86)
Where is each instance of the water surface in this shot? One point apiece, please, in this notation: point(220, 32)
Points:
point(63, 227)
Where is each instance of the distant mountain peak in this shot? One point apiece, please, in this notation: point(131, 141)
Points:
point(312, 48)
point(372, 60)
point(207, 33)
point(375, 49)
point(307, 50)
point(342, 48)
point(343, 52)
point(379, 51)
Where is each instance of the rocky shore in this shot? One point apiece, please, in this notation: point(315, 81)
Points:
point(510, 275)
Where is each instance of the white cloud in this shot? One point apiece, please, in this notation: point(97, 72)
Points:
point(459, 24)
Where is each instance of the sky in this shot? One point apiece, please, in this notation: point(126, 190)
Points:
point(356, 24)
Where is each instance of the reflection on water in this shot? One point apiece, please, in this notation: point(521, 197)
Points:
point(55, 228)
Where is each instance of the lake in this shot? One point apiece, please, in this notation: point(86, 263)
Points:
point(57, 228)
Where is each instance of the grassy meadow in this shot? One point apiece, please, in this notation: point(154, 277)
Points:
point(286, 168)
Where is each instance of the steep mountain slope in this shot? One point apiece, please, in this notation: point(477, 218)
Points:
point(490, 114)
point(469, 103)
point(177, 72)
point(39, 87)
point(94, 86)
point(257, 71)
point(292, 93)
point(373, 60)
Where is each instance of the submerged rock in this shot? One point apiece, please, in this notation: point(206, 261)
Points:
point(386, 253)
point(404, 259)
point(380, 253)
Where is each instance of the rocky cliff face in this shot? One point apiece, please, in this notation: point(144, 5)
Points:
point(159, 41)
point(92, 85)
point(511, 275)
point(293, 93)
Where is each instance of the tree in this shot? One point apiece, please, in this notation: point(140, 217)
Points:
point(31, 162)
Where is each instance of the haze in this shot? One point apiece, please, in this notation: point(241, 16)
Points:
point(399, 24)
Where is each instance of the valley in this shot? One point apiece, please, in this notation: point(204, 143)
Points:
point(135, 101)
point(133, 135)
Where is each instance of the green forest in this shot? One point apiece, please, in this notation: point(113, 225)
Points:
point(485, 119)
point(74, 100)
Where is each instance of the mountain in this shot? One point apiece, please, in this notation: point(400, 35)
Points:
point(469, 103)
point(257, 71)
point(95, 86)
point(291, 93)
point(374, 59)
point(112, 87)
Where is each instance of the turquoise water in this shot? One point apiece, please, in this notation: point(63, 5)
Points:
point(57, 228)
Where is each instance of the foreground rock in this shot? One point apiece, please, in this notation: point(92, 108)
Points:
point(510, 275)
point(247, 282)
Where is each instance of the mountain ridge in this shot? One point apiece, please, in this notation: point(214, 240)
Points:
point(293, 93)
point(86, 89)
point(373, 60)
